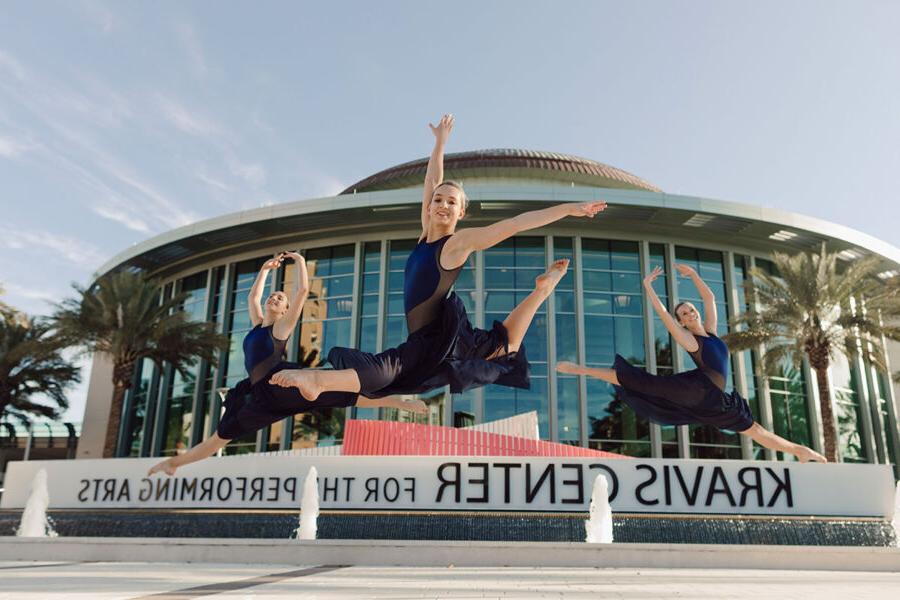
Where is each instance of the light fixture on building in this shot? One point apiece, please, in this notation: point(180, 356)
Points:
point(497, 205)
point(850, 254)
point(783, 235)
point(623, 301)
point(698, 220)
point(885, 275)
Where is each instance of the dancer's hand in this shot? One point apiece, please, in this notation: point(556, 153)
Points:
point(165, 466)
point(649, 279)
point(586, 209)
point(685, 270)
point(294, 256)
point(570, 368)
point(805, 454)
point(273, 263)
point(442, 130)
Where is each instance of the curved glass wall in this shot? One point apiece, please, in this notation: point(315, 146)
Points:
point(598, 310)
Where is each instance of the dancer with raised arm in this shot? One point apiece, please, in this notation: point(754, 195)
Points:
point(696, 396)
point(264, 352)
point(443, 348)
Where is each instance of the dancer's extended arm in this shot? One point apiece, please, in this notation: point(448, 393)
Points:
point(767, 439)
point(434, 175)
point(254, 297)
point(710, 318)
point(284, 326)
point(682, 336)
point(206, 448)
point(458, 248)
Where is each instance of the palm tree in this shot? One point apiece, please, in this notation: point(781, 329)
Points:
point(124, 317)
point(812, 308)
point(32, 365)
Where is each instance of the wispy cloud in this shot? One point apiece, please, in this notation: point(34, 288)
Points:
point(13, 66)
point(192, 122)
point(254, 174)
point(29, 293)
point(211, 181)
point(100, 15)
point(77, 252)
point(189, 40)
point(13, 148)
point(121, 216)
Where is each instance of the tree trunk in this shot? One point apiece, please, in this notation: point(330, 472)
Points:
point(115, 418)
point(829, 430)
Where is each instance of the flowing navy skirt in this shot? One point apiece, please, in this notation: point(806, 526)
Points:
point(680, 399)
point(249, 408)
point(448, 351)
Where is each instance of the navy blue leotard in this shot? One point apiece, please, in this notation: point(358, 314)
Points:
point(255, 403)
point(442, 347)
point(696, 396)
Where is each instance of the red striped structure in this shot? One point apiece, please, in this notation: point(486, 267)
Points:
point(389, 438)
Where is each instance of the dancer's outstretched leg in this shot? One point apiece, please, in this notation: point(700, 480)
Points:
point(519, 320)
point(607, 375)
point(313, 382)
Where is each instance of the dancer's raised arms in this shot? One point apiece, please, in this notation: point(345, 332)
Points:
point(254, 297)
point(710, 317)
point(466, 241)
point(283, 327)
point(682, 336)
point(434, 174)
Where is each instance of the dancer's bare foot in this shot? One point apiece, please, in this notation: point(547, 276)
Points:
point(307, 381)
point(571, 368)
point(165, 466)
point(415, 406)
point(548, 280)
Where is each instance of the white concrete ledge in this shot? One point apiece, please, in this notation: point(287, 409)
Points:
point(440, 553)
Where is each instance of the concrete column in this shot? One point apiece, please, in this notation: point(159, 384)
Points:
point(97, 407)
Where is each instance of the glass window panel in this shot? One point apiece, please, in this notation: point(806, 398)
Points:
point(597, 280)
point(569, 418)
point(372, 257)
point(368, 334)
point(565, 302)
point(369, 305)
point(370, 283)
point(464, 409)
point(595, 254)
point(566, 338)
point(599, 339)
point(466, 280)
point(395, 304)
point(597, 304)
point(503, 279)
point(629, 339)
point(524, 278)
point(624, 256)
point(500, 302)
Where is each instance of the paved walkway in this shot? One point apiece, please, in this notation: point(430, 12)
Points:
point(70, 580)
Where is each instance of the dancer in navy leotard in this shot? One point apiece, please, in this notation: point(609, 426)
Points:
point(696, 396)
point(255, 403)
point(443, 348)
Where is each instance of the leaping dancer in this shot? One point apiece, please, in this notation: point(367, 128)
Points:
point(696, 396)
point(264, 351)
point(443, 348)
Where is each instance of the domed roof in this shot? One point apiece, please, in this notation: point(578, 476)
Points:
point(506, 163)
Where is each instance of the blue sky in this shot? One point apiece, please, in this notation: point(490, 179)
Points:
point(122, 120)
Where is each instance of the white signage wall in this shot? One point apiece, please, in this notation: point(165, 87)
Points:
point(466, 483)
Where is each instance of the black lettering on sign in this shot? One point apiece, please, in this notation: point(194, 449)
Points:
point(747, 487)
point(445, 482)
point(290, 487)
point(388, 495)
point(332, 489)
point(691, 496)
point(347, 482)
point(651, 479)
point(146, 490)
point(718, 476)
point(124, 492)
point(667, 486)
point(189, 486)
point(97, 483)
point(82, 493)
point(483, 482)
point(109, 489)
point(782, 485)
point(410, 487)
point(206, 488)
point(241, 487)
point(256, 488)
point(162, 488)
point(578, 482)
point(613, 480)
point(273, 489)
point(531, 492)
point(226, 495)
point(371, 488)
point(506, 468)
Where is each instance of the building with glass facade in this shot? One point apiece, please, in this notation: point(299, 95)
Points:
point(356, 244)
